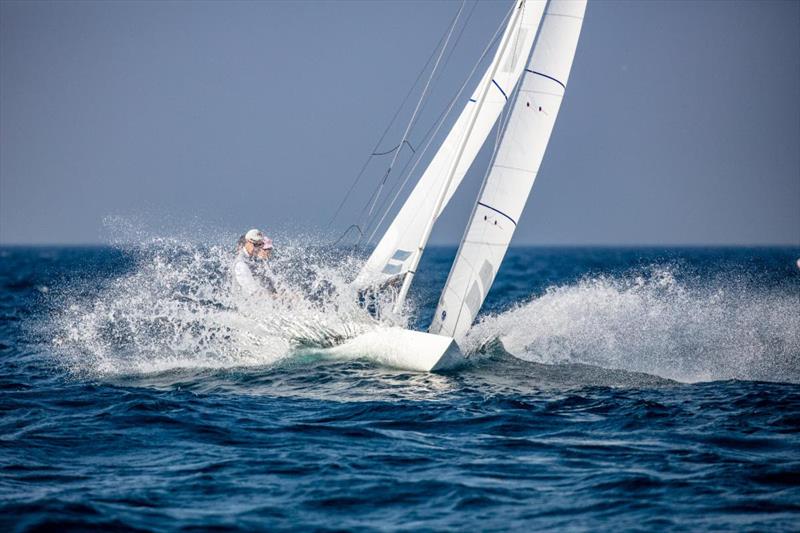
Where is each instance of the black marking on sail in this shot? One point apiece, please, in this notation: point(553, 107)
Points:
point(500, 89)
point(546, 76)
point(499, 212)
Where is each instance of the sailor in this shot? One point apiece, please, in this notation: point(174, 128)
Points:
point(253, 246)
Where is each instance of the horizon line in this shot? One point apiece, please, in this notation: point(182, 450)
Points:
point(455, 245)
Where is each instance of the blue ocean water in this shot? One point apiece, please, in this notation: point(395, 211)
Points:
point(626, 389)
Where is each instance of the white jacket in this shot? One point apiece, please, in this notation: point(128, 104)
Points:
point(243, 276)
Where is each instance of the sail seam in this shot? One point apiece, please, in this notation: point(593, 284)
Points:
point(499, 212)
point(548, 93)
point(518, 169)
point(563, 15)
point(546, 76)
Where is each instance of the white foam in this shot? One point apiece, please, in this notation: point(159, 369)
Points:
point(652, 323)
point(177, 309)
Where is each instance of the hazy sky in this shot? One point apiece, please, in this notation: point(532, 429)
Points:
point(681, 122)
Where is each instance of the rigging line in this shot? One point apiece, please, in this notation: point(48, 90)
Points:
point(343, 235)
point(442, 196)
point(437, 125)
point(505, 115)
point(502, 124)
point(395, 148)
point(449, 56)
point(441, 123)
point(405, 168)
point(419, 103)
point(424, 137)
point(501, 129)
point(385, 131)
point(373, 198)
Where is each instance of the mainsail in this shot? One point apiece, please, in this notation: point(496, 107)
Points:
point(507, 186)
point(400, 247)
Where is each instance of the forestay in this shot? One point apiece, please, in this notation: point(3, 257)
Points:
point(395, 252)
point(508, 184)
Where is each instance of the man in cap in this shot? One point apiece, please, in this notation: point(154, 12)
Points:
point(252, 246)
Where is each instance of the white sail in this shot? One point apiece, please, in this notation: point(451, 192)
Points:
point(398, 249)
point(508, 184)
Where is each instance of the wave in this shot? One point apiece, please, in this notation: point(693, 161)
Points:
point(696, 330)
point(173, 306)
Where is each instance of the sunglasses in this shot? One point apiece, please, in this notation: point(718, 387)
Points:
point(259, 245)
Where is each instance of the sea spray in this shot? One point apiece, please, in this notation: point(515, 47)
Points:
point(170, 305)
point(176, 307)
point(696, 329)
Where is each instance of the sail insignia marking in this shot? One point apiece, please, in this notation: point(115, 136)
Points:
point(498, 212)
point(546, 76)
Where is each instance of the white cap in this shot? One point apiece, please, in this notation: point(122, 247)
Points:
point(254, 235)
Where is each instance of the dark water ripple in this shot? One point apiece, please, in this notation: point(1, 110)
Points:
point(505, 444)
point(676, 456)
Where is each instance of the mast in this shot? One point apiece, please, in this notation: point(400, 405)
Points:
point(392, 256)
point(508, 183)
point(409, 275)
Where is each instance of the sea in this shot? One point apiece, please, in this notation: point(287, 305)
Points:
point(624, 389)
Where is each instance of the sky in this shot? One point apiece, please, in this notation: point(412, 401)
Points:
point(680, 124)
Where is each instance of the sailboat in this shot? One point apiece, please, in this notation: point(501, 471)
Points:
point(529, 73)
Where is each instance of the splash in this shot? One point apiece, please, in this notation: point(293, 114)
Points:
point(177, 307)
point(688, 331)
point(171, 305)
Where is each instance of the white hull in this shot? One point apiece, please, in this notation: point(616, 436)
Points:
point(404, 348)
